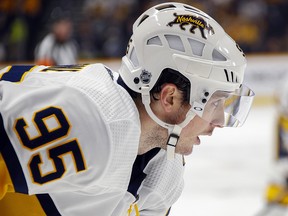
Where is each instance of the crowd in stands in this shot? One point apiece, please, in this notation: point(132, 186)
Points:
point(102, 28)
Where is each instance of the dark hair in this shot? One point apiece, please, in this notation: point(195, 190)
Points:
point(172, 76)
point(58, 14)
point(167, 76)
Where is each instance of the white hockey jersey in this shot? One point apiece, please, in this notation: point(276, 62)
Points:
point(70, 134)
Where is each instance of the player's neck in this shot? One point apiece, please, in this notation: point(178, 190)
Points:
point(152, 134)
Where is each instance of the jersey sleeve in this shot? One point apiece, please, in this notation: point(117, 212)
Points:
point(53, 138)
point(163, 185)
point(69, 135)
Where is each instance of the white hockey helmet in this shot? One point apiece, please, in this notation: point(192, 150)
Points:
point(183, 38)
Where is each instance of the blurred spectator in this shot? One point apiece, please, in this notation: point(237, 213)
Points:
point(276, 193)
point(58, 47)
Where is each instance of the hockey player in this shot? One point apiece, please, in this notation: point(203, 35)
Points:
point(277, 189)
point(84, 140)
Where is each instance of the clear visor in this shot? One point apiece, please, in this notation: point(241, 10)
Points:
point(228, 109)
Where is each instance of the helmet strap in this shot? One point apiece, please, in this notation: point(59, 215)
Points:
point(172, 141)
point(145, 92)
point(173, 130)
point(174, 135)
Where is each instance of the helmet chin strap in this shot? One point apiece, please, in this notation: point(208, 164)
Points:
point(173, 130)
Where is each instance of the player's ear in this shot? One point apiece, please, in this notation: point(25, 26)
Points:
point(167, 96)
